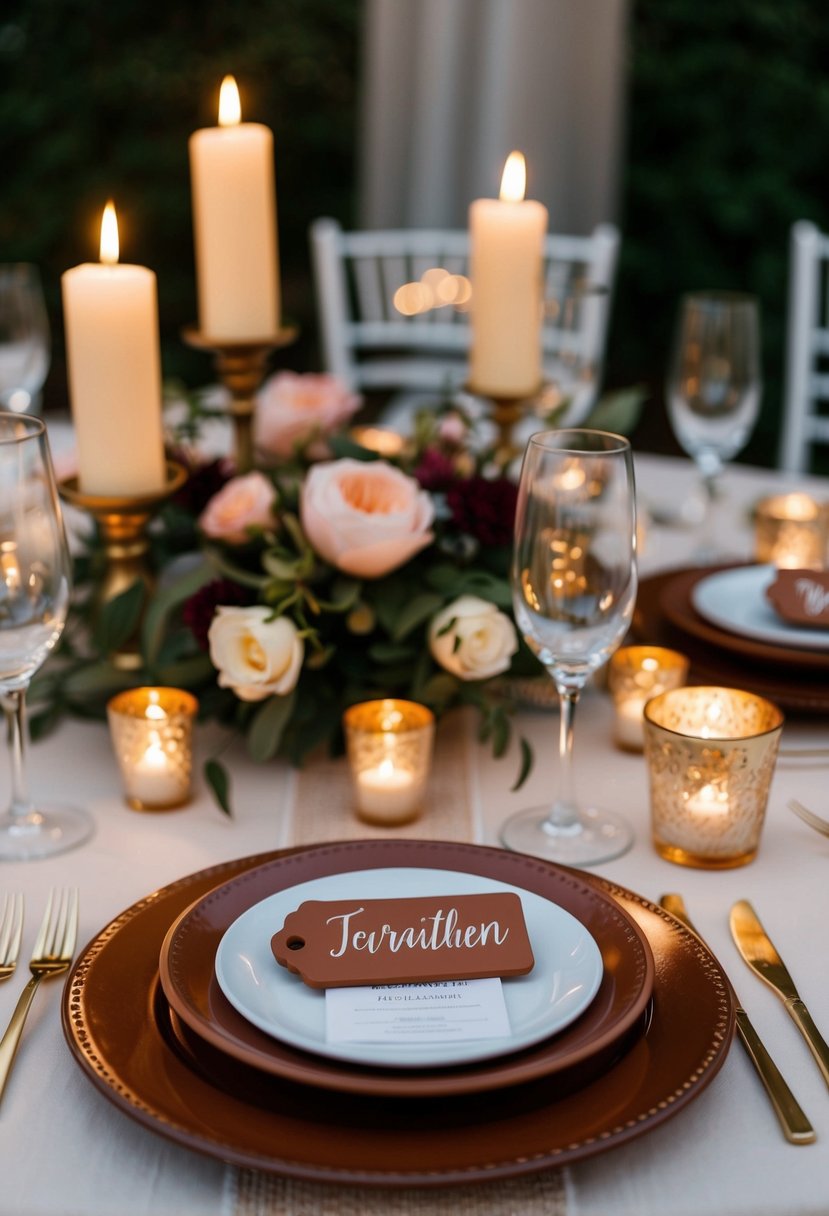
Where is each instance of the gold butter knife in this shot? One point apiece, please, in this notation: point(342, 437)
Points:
point(796, 1127)
point(756, 948)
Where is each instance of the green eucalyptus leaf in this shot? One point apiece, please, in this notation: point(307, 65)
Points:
point(223, 565)
point(268, 726)
point(341, 446)
point(218, 780)
point(618, 412)
point(500, 733)
point(163, 603)
point(439, 690)
point(526, 765)
point(119, 617)
point(188, 672)
point(391, 652)
point(285, 569)
point(101, 679)
point(415, 613)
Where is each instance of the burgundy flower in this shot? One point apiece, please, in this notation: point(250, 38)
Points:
point(435, 471)
point(204, 483)
point(199, 610)
point(484, 509)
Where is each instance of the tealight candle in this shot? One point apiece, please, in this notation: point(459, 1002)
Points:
point(152, 735)
point(635, 674)
point(389, 750)
point(711, 754)
point(791, 531)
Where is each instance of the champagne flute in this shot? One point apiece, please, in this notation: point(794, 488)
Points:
point(24, 337)
point(714, 387)
point(34, 600)
point(574, 589)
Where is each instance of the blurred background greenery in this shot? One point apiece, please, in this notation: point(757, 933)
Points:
point(727, 131)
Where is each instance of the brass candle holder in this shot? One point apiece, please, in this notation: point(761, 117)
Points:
point(505, 412)
point(241, 367)
point(122, 522)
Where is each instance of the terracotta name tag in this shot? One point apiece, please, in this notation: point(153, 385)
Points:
point(801, 597)
point(344, 942)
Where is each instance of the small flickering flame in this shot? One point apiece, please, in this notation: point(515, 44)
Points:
point(514, 180)
point(109, 235)
point(230, 108)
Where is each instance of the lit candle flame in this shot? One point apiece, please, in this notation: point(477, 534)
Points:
point(109, 235)
point(514, 180)
point(230, 108)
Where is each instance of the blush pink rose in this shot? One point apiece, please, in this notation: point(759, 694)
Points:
point(243, 503)
point(294, 411)
point(365, 518)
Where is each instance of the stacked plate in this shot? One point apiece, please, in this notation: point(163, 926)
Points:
point(179, 1013)
point(719, 616)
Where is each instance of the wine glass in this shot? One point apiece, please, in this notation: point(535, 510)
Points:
point(34, 600)
point(574, 588)
point(714, 387)
point(24, 337)
point(575, 315)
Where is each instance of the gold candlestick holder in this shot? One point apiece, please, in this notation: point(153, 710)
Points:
point(506, 412)
point(122, 522)
point(241, 368)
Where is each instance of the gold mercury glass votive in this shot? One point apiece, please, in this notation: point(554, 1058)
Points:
point(711, 755)
point(791, 531)
point(152, 733)
point(635, 674)
point(389, 744)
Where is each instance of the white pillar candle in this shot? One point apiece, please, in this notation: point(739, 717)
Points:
point(506, 268)
point(114, 368)
point(234, 219)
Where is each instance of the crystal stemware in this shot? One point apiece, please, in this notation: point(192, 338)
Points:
point(714, 387)
point(35, 574)
point(574, 587)
point(25, 347)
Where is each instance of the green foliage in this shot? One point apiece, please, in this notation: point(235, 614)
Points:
point(728, 125)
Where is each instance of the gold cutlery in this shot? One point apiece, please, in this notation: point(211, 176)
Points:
point(813, 820)
point(51, 956)
point(756, 948)
point(11, 931)
point(796, 1127)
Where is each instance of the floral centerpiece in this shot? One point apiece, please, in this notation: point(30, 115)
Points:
point(325, 577)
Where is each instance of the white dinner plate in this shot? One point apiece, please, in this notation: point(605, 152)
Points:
point(736, 600)
point(561, 985)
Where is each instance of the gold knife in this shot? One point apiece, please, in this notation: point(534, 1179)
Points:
point(796, 1127)
point(756, 948)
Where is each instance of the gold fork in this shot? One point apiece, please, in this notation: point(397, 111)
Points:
point(51, 956)
point(813, 820)
point(11, 931)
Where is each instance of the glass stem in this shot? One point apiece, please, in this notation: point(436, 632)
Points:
point(14, 704)
point(564, 814)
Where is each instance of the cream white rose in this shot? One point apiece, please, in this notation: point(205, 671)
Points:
point(245, 502)
point(473, 639)
point(255, 656)
point(365, 517)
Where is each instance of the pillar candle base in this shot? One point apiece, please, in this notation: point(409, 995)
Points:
point(241, 368)
point(122, 522)
point(506, 412)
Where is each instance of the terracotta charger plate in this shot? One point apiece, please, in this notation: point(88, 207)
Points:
point(120, 1030)
point(189, 982)
point(664, 616)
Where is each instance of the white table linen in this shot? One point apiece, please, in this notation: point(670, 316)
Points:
point(68, 1152)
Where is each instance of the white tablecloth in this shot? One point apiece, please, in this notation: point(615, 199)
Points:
point(68, 1152)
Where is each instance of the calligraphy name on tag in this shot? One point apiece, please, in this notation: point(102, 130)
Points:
point(801, 597)
point(350, 942)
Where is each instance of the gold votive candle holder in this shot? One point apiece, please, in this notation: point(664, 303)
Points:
point(790, 531)
point(635, 674)
point(389, 744)
point(711, 754)
point(152, 734)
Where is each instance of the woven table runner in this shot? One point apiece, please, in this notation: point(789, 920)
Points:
point(322, 812)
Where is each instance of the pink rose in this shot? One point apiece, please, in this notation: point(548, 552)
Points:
point(366, 518)
point(293, 411)
point(245, 502)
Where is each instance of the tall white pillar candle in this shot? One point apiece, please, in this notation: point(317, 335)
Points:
point(234, 220)
point(114, 368)
point(506, 268)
